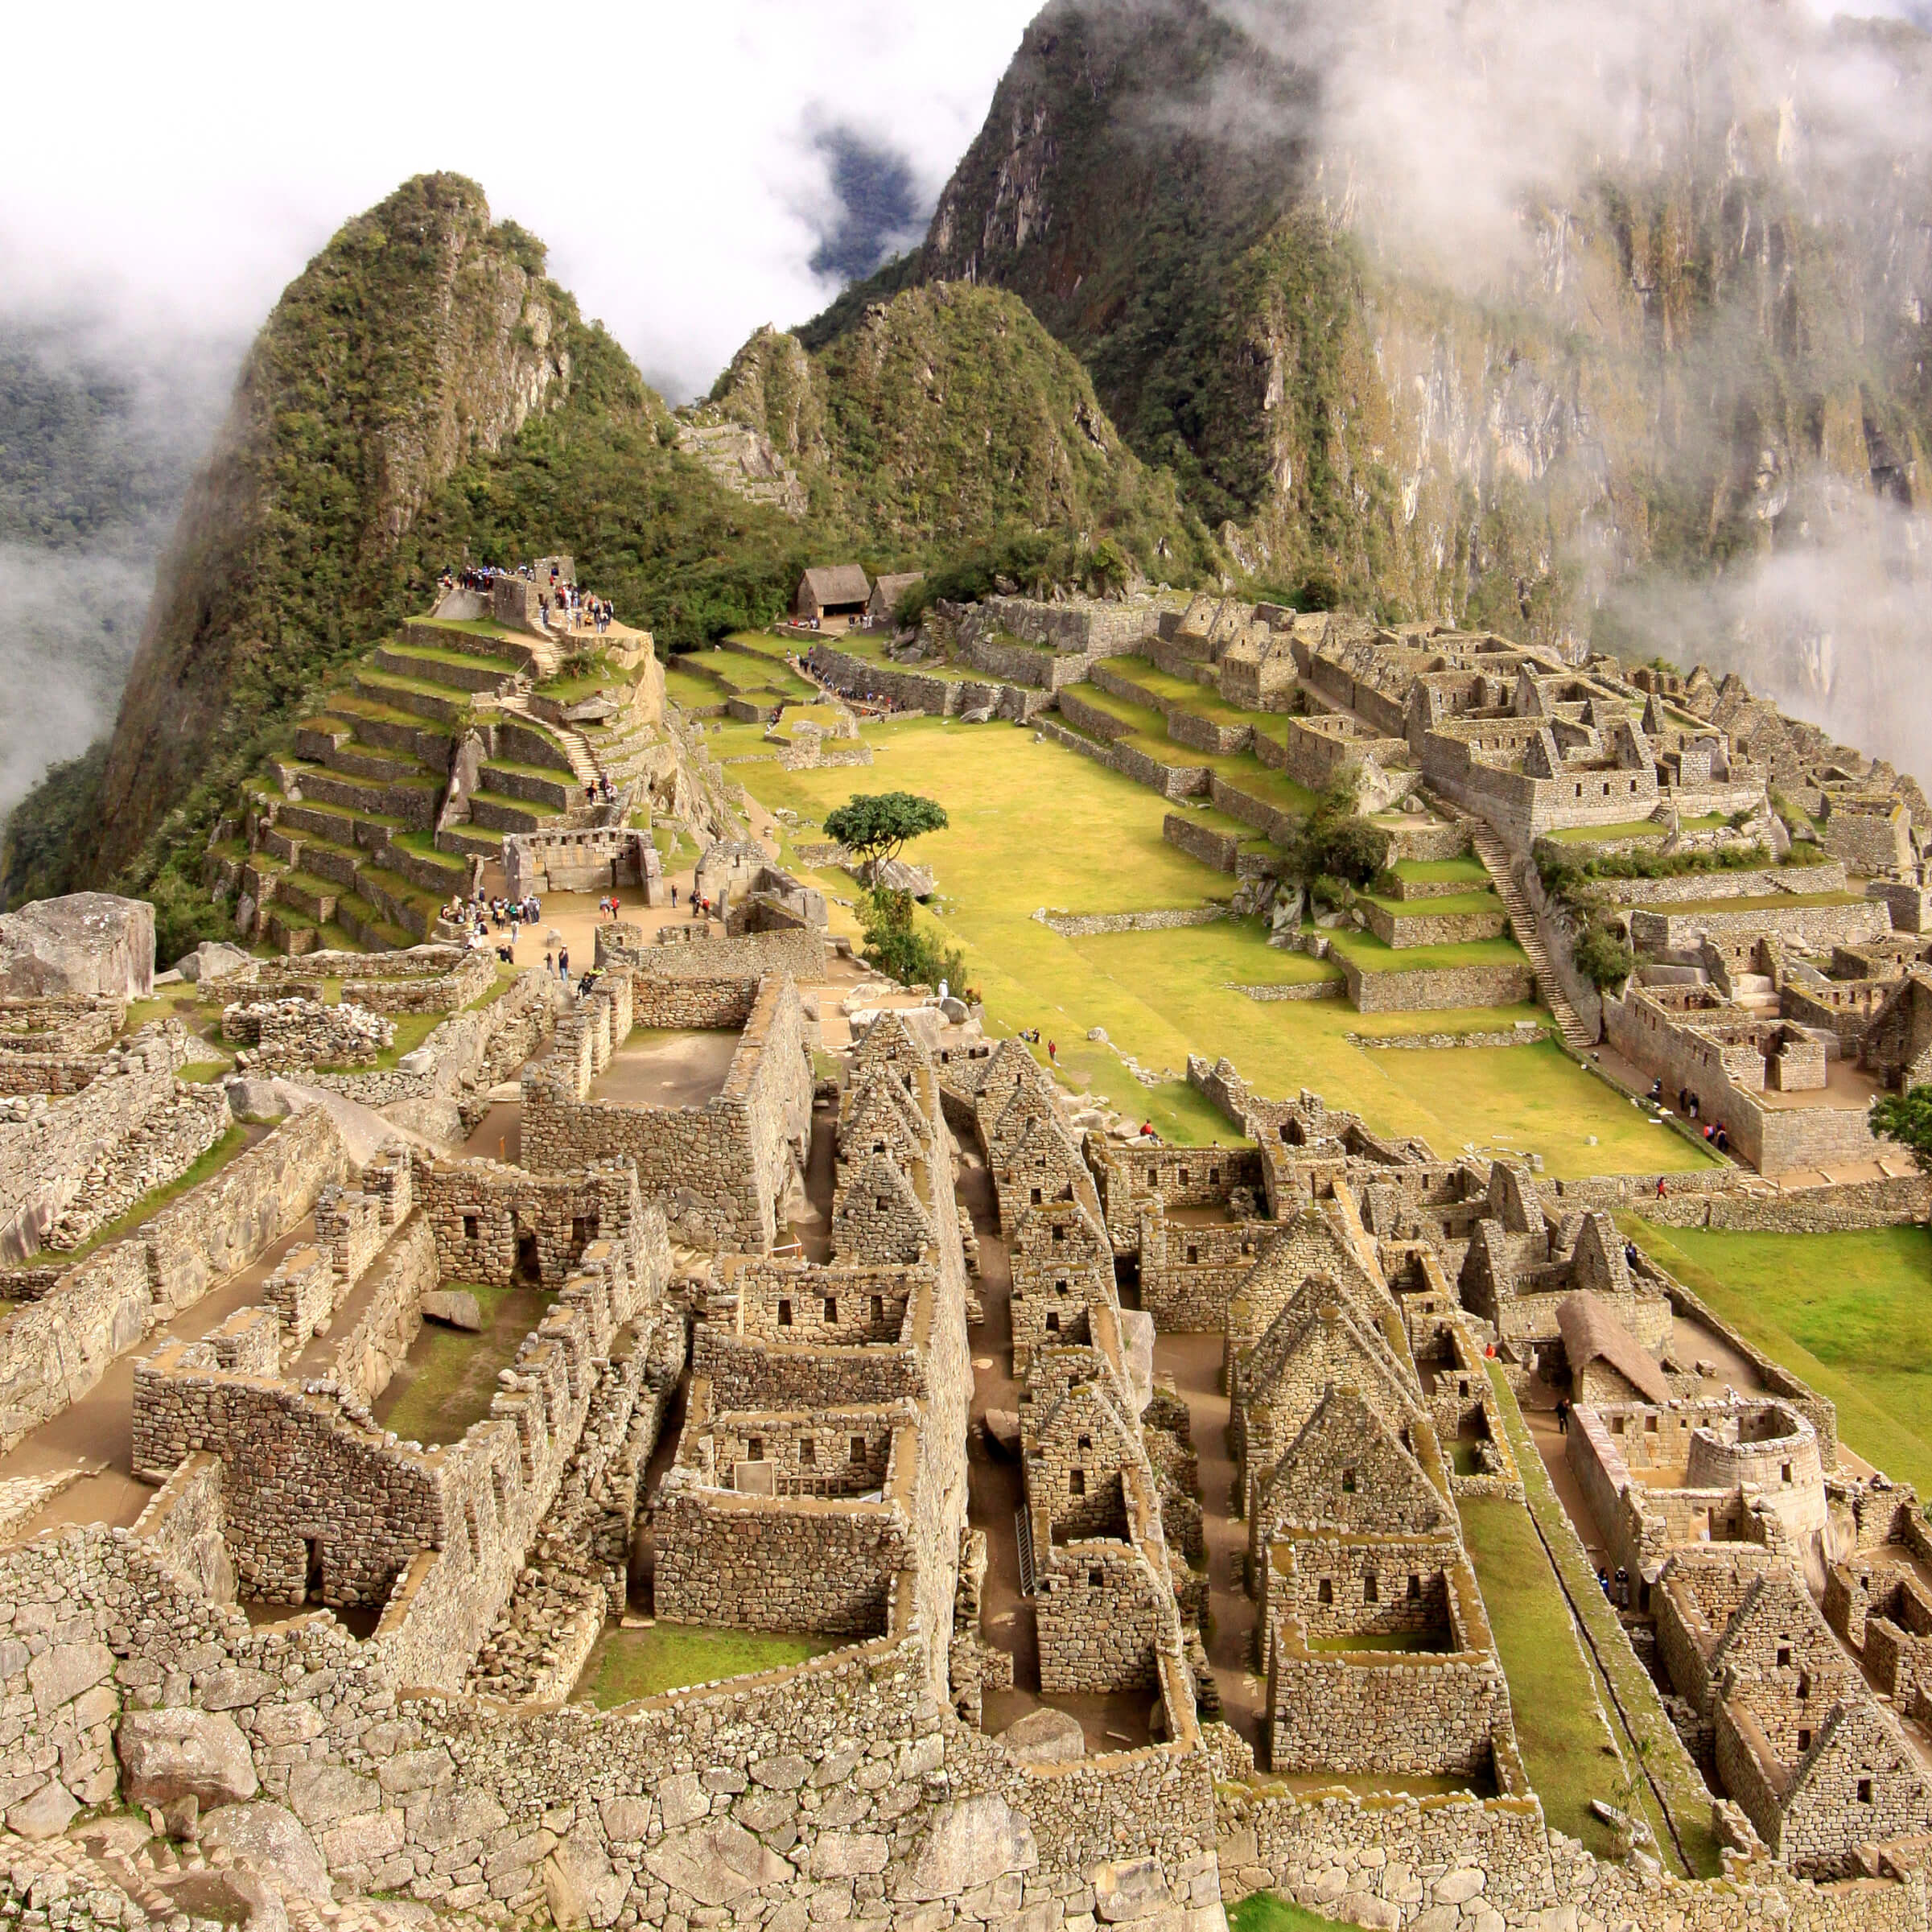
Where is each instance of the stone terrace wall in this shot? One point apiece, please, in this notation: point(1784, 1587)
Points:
point(54, 1351)
point(800, 951)
point(466, 1055)
point(46, 1149)
point(858, 677)
point(1439, 987)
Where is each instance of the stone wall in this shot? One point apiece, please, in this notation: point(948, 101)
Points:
point(281, 1035)
point(598, 858)
point(1439, 987)
point(721, 1168)
point(1414, 929)
point(911, 690)
point(1816, 928)
point(47, 1147)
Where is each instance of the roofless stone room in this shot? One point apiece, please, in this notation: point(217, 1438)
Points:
point(985, 989)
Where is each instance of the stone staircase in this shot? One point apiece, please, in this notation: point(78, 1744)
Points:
point(1495, 857)
point(576, 747)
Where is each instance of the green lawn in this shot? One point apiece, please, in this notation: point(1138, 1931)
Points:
point(1372, 956)
point(1759, 902)
point(1552, 1688)
point(630, 1664)
point(449, 1378)
point(688, 688)
point(1851, 1313)
point(1035, 825)
point(1602, 834)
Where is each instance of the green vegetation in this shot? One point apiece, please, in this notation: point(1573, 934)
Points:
point(1372, 956)
point(1264, 1911)
point(913, 954)
point(1907, 1119)
point(448, 1379)
point(628, 1664)
point(1849, 1313)
point(876, 827)
point(1655, 1761)
point(204, 1168)
point(1449, 905)
point(1161, 995)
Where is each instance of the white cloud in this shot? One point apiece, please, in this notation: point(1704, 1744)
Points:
point(169, 170)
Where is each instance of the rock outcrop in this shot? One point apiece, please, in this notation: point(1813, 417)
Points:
point(90, 944)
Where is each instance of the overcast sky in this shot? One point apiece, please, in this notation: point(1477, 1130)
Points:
point(169, 170)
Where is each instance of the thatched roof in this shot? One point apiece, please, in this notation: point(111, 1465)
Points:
point(835, 584)
point(886, 590)
point(1590, 1331)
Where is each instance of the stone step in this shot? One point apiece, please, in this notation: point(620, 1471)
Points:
point(470, 842)
point(497, 814)
point(435, 702)
point(451, 669)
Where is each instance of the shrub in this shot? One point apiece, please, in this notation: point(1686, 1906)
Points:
point(1603, 956)
point(913, 954)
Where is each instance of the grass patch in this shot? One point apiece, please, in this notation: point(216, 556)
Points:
point(1552, 1688)
point(151, 1203)
point(629, 1664)
point(1372, 956)
point(1203, 700)
point(1850, 1312)
point(1264, 1912)
point(1161, 995)
point(1449, 904)
point(448, 1378)
point(412, 1029)
point(1652, 1750)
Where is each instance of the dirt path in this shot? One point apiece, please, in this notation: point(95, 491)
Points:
point(1194, 1362)
point(97, 1432)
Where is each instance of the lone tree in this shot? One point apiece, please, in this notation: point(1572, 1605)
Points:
point(1907, 1119)
point(877, 826)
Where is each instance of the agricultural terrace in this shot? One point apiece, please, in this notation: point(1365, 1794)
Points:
point(1036, 825)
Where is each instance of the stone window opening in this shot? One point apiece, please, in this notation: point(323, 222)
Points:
point(501, 1498)
point(1864, 1791)
point(831, 1310)
point(1784, 1656)
point(878, 1145)
point(1370, 1590)
point(1462, 1386)
point(883, 1203)
point(1784, 1472)
point(878, 1307)
point(1213, 1178)
point(1804, 1683)
point(1086, 1442)
point(1348, 1482)
point(1060, 1287)
point(1324, 1591)
point(808, 1452)
point(1182, 1177)
point(858, 1449)
point(1649, 1425)
point(784, 1314)
point(1097, 1580)
point(1060, 1234)
point(1053, 1323)
point(1153, 1177)
point(311, 1586)
point(474, 1536)
point(1194, 1252)
point(584, 1231)
point(1076, 1482)
point(1035, 1198)
point(1415, 1589)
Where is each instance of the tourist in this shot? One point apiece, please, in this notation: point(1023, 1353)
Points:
point(673, 895)
point(1623, 1587)
point(1053, 1053)
point(1630, 1254)
point(1662, 1191)
point(590, 792)
point(1723, 1141)
point(563, 964)
point(1563, 1416)
point(550, 962)
point(1603, 1579)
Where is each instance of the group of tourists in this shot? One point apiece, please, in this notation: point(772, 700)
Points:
point(1689, 1106)
point(573, 608)
point(597, 790)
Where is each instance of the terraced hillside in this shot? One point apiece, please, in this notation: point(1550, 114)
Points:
point(432, 747)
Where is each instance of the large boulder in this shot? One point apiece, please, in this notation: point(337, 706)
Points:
point(92, 944)
point(967, 1844)
point(176, 1753)
point(212, 959)
point(270, 1839)
point(1046, 1737)
point(455, 1308)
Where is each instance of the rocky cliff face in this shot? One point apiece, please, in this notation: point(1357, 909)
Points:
point(1413, 351)
point(422, 337)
